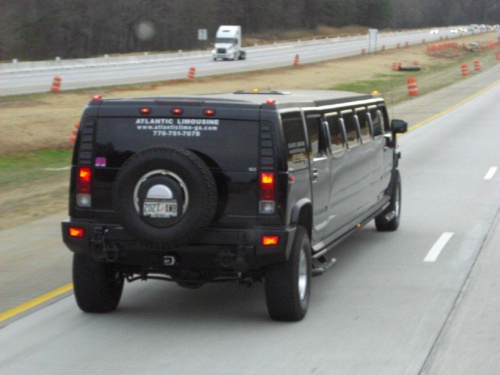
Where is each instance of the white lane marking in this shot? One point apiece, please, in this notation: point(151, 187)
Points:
point(491, 173)
point(433, 253)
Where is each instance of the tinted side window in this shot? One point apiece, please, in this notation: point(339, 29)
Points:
point(364, 126)
point(337, 138)
point(314, 134)
point(376, 123)
point(384, 120)
point(351, 129)
point(293, 129)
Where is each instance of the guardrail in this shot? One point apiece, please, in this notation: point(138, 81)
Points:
point(62, 64)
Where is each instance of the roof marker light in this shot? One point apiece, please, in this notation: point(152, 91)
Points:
point(270, 101)
point(209, 112)
point(177, 111)
point(145, 110)
point(96, 98)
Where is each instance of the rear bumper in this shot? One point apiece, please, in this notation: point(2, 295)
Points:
point(228, 249)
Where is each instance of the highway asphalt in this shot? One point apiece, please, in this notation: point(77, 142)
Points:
point(421, 301)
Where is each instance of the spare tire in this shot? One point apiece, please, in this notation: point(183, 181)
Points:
point(165, 195)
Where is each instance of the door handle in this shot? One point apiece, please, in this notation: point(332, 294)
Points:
point(315, 174)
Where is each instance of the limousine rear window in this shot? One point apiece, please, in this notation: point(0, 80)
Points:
point(293, 129)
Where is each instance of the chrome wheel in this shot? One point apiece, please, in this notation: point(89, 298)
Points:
point(397, 203)
point(302, 279)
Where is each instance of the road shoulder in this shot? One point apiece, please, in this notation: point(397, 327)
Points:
point(469, 342)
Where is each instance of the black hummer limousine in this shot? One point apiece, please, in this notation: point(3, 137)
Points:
point(245, 186)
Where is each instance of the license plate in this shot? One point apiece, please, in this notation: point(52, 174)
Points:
point(159, 208)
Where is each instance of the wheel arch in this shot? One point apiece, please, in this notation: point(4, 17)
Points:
point(302, 214)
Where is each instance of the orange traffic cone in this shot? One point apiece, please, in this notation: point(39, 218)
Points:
point(74, 132)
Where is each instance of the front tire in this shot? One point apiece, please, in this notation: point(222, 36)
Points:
point(288, 285)
point(395, 206)
point(97, 286)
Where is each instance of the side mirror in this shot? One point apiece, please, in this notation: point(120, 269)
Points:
point(399, 126)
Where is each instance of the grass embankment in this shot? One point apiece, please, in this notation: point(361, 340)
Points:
point(431, 77)
point(33, 184)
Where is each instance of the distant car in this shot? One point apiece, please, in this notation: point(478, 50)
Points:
point(473, 47)
point(454, 31)
point(434, 31)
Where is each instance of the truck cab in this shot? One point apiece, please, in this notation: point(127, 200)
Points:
point(228, 44)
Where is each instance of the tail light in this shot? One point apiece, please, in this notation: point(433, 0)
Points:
point(270, 240)
point(83, 184)
point(76, 232)
point(267, 187)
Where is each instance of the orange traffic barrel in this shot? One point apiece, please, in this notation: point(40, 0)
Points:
point(477, 66)
point(74, 132)
point(465, 70)
point(412, 86)
point(56, 84)
point(191, 72)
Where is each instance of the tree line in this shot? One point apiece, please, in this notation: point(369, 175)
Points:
point(43, 29)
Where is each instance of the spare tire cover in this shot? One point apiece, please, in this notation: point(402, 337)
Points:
point(165, 195)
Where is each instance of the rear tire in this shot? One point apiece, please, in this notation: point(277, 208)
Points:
point(97, 286)
point(380, 221)
point(288, 285)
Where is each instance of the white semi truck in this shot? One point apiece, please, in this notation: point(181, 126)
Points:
point(228, 43)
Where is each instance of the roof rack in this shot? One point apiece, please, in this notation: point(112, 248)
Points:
point(257, 91)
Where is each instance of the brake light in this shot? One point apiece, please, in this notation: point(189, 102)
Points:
point(266, 193)
point(266, 186)
point(76, 232)
point(270, 240)
point(83, 184)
